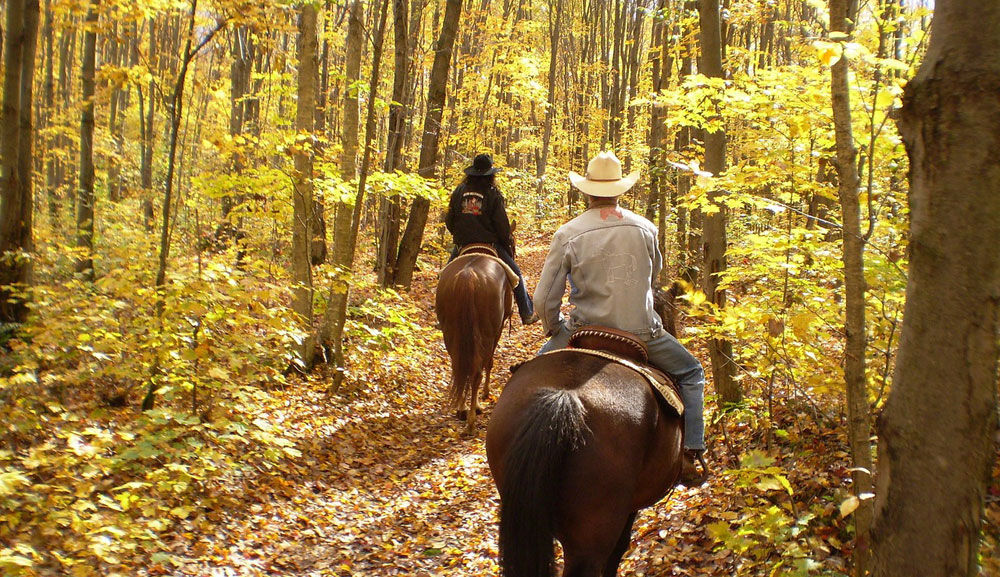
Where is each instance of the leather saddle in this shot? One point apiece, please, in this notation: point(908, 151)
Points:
point(478, 248)
point(625, 348)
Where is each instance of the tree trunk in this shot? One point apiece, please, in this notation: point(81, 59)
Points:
point(331, 334)
point(555, 26)
point(85, 195)
point(390, 208)
point(176, 108)
point(409, 246)
point(115, 156)
point(302, 195)
point(858, 425)
point(714, 236)
point(936, 447)
point(49, 96)
point(20, 39)
point(147, 137)
point(239, 73)
point(660, 60)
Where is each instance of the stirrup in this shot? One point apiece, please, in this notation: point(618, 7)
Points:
point(693, 479)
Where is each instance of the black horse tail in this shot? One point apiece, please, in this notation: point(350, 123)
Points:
point(552, 428)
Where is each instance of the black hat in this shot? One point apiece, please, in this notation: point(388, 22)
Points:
point(482, 165)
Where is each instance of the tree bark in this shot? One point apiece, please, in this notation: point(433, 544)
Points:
point(302, 195)
point(49, 98)
point(146, 115)
point(714, 236)
point(390, 208)
point(555, 27)
point(85, 208)
point(409, 246)
point(858, 420)
point(936, 447)
point(20, 38)
point(331, 336)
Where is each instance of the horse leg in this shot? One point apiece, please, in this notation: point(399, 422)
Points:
point(582, 567)
point(470, 422)
point(624, 540)
point(595, 537)
point(486, 381)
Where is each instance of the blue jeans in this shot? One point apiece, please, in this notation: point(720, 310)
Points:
point(670, 356)
point(524, 305)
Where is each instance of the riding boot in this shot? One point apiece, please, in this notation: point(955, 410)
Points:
point(690, 477)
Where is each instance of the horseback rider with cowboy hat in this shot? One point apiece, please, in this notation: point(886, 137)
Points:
point(610, 256)
point(477, 214)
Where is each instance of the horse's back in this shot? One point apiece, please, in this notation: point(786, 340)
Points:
point(476, 280)
point(632, 447)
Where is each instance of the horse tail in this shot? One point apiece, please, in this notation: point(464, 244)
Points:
point(465, 349)
point(552, 428)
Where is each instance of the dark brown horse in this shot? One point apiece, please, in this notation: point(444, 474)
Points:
point(577, 444)
point(473, 300)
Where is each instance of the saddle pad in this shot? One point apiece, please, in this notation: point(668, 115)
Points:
point(661, 384)
point(511, 275)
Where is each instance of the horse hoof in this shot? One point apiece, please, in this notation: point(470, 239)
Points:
point(464, 413)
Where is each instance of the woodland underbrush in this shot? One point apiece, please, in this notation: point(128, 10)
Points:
point(92, 484)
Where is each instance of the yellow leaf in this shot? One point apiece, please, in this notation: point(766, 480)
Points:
point(10, 481)
point(181, 512)
point(849, 505)
point(800, 325)
point(829, 52)
point(218, 373)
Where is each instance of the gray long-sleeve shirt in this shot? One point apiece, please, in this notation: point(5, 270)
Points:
point(610, 257)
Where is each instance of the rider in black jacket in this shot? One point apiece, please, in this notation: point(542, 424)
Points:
point(476, 214)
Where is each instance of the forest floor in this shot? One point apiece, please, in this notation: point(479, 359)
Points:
point(387, 485)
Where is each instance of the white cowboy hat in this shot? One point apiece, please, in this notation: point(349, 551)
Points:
point(604, 177)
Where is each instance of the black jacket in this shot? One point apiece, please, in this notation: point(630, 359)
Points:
point(478, 217)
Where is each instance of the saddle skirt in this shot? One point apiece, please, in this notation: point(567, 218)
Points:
point(482, 249)
point(626, 349)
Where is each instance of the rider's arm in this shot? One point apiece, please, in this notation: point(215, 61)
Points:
point(501, 224)
point(657, 258)
point(453, 209)
point(552, 285)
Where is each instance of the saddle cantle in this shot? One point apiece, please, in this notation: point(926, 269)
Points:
point(614, 341)
point(478, 248)
point(626, 349)
point(485, 249)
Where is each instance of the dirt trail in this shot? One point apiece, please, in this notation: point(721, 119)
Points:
point(386, 485)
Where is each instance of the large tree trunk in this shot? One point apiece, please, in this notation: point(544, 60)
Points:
point(858, 420)
point(85, 194)
point(20, 39)
point(302, 195)
point(390, 208)
point(331, 335)
point(409, 246)
point(714, 237)
point(936, 446)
